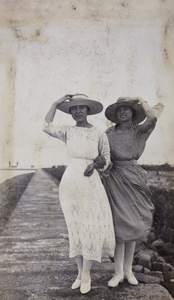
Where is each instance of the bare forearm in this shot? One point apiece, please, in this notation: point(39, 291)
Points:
point(147, 109)
point(144, 104)
point(51, 113)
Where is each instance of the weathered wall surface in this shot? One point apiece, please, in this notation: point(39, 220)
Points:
point(105, 49)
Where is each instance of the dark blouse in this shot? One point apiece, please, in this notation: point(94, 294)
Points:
point(129, 144)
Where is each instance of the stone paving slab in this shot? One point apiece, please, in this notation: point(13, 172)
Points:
point(34, 262)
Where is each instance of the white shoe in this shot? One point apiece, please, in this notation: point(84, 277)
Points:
point(85, 287)
point(116, 279)
point(131, 278)
point(76, 284)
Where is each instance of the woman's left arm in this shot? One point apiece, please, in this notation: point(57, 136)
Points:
point(102, 161)
point(104, 151)
point(152, 113)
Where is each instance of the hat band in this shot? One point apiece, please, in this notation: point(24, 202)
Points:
point(79, 96)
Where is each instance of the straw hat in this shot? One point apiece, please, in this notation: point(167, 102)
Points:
point(138, 111)
point(80, 99)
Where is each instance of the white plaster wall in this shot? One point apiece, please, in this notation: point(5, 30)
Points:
point(104, 49)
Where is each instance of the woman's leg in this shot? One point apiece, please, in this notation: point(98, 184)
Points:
point(77, 282)
point(128, 260)
point(86, 278)
point(87, 264)
point(119, 260)
point(79, 262)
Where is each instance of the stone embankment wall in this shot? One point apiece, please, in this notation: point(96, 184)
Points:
point(154, 260)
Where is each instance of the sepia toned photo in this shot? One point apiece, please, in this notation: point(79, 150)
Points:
point(87, 150)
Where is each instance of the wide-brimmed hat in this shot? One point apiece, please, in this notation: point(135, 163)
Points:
point(138, 111)
point(81, 99)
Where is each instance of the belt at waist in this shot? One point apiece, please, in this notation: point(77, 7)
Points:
point(125, 162)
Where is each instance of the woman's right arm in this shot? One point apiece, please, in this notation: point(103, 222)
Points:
point(49, 128)
point(51, 113)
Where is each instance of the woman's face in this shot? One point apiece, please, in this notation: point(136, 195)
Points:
point(79, 113)
point(124, 114)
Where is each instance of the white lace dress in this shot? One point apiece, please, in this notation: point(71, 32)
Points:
point(83, 199)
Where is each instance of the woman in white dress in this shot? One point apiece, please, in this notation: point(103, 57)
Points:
point(82, 196)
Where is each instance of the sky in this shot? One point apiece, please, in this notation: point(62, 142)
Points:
point(104, 52)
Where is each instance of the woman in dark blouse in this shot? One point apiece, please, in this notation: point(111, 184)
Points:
point(126, 186)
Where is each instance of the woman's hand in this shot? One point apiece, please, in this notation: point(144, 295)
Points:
point(65, 98)
point(51, 113)
point(140, 100)
point(100, 161)
point(89, 170)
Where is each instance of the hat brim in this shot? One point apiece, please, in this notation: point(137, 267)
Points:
point(138, 115)
point(95, 107)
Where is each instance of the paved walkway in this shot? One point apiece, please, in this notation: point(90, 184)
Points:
point(34, 263)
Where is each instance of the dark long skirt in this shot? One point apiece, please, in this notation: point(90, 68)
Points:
point(130, 201)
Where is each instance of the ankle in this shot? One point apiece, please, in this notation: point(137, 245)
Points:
point(128, 271)
point(85, 277)
point(119, 272)
point(79, 276)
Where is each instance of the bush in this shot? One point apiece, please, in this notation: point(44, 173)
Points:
point(163, 201)
point(165, 167)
